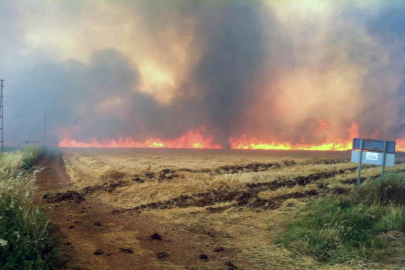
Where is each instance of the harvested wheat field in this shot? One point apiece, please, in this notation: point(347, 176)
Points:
point(192, 209)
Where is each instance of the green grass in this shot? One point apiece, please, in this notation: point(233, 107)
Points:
point(25, 241)
point(352, 228)
point(384, 190)
point(19, 160)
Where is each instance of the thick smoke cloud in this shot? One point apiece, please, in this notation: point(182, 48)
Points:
point(388, 26)
point(275, 71)
point(81, 98)
point(233, 57)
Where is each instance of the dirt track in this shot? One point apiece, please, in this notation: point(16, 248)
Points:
point(94, 238)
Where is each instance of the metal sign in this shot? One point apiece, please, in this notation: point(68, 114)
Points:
point(374, 145)
point(375, 152)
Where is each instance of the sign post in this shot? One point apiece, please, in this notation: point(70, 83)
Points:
point(375, 152)
point(384, 158)
point(361, 156)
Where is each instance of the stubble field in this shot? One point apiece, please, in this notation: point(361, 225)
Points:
point(235, 202)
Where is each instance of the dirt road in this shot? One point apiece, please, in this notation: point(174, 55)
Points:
point(94, 238)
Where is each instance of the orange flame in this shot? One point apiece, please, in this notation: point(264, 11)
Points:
point(253, 143)
point(192, 139)
point(243, 143)
point(195, 140)
point(400, 145)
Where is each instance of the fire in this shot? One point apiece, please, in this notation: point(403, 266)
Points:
point(253, 143)
point(192, 139)
point(400, 145)
point(244, 143)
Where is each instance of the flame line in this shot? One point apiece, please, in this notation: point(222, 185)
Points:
point(195, 140)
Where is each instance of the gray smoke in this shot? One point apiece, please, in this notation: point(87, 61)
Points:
point(259, 71)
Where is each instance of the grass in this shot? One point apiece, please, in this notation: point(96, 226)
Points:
point(352, 228)
point(94, 168)
point(384, 190)
point(249, 234)
point(25, 241)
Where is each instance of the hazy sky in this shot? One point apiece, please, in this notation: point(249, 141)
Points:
point(273, 70)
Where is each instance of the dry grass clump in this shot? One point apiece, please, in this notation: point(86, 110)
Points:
point(19, 159)
point(100, 168)
point(85, 170)
point(89, 170)
point(139, 160)
point(157, 159)
point(11, 161)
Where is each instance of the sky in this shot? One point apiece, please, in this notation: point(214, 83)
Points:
point(278, 71)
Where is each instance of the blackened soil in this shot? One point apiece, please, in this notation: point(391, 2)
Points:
point(65, 196)
point(247, 198)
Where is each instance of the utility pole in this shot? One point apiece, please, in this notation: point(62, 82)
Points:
point(45, 129)
point(1, 115)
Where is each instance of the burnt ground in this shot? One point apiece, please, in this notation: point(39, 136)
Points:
point(92, 237)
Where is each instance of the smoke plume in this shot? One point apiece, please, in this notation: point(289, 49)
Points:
point(277, 71)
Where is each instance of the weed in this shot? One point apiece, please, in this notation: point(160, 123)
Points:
point(25, 241)
point(347, 228)
point(384, 190)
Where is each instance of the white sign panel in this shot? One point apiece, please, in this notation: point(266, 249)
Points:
point(371, 156)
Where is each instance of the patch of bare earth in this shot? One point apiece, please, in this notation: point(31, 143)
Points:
point(94, 238)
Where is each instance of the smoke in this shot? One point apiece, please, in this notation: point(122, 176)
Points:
point(296, 71)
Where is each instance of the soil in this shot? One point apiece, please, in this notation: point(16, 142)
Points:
point(247, 198)
point(92, 237)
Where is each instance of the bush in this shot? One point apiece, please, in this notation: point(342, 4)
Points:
point(384, 190)
point(19, 160)
point(347, 228)
point(25, 242)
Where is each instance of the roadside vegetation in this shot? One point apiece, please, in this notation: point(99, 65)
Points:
point(25, 241)
point(365, 225)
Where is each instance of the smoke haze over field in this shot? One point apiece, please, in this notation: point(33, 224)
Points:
point(283, 71)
